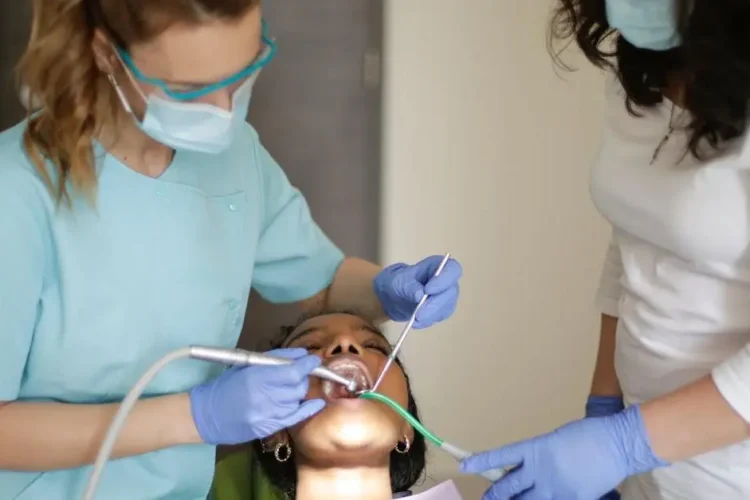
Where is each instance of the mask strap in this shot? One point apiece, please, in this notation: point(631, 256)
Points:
point(132, 79)
point(120, 94)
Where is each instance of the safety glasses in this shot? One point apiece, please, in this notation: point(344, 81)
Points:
point(181, 94)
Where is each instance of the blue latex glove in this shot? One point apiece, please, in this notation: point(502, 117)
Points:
point(400, 287)
point(582, 460)
point(603, 406)
point(248, 403)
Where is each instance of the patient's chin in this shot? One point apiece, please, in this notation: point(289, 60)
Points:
point(354, 434)
point(349, 436)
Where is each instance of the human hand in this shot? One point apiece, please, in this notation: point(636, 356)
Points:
point(400, 287)
point(582, 460)
point(248, 403)
point(603, 406)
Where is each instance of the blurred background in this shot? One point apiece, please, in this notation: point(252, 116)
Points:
point(417, 128)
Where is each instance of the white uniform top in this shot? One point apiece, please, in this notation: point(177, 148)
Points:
point(677, 275)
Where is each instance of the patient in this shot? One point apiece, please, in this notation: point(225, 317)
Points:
point(353, 449)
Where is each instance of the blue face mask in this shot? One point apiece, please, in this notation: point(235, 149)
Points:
point(647, 24)
point(193, 126)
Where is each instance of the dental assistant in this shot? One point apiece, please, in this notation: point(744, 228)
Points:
point(137, 210)
point(669, 411)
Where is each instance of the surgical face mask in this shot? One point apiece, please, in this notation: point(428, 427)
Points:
point(192, 126)
point(647, 24)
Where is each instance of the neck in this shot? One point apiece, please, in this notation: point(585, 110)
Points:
point(365, 483)
point(124, 140)
point(675, 90)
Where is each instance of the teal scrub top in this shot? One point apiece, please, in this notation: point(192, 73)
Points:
point(91, 296)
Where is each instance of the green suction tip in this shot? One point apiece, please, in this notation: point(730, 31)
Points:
point(376, 396)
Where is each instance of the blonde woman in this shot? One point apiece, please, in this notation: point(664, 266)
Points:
point(137, 210)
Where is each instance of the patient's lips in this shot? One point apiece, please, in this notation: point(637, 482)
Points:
point(351, 367)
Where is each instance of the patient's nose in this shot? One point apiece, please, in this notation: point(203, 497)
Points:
point(344, 344)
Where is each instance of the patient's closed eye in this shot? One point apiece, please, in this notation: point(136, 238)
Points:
point(378, 346)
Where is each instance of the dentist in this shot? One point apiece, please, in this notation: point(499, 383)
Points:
point(137, 210)
point(669, 411)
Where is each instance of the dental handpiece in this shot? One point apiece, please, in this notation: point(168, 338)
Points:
point(241, 357)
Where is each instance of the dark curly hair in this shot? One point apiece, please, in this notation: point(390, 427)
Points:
point(405, 469)
point(711, 66)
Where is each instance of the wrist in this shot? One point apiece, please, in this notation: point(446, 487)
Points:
point(629, 432)
point(602, 406)
point(179, 423)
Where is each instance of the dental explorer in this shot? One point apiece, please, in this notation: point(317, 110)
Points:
point(235, 357)
point(407, 329)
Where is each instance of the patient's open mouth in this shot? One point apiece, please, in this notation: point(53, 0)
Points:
point(351, 367)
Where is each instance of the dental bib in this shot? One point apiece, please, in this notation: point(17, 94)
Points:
point(444, 491)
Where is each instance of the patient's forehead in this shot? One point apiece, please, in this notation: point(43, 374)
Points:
point(335, 323)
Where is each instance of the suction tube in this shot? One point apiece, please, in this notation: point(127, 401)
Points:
point(454, 451)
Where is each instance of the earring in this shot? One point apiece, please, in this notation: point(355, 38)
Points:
point(404, 446)
point(265, 447)
point(282, 457)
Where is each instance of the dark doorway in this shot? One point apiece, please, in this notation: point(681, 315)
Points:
point(317, 109)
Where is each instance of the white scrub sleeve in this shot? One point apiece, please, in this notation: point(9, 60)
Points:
point(610, 285)
point(732, 378)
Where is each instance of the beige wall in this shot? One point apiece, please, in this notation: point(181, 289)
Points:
point(487, 152)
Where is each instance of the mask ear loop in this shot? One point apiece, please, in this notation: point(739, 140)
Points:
point(132, 79)
point(120, 93)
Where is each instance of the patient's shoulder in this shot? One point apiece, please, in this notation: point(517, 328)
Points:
point(240, 477)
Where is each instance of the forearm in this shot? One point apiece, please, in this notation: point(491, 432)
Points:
point(604, 382)
point(50, 436)
point(352, 289)
point(691, 421)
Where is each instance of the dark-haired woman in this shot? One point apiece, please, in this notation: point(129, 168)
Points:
point(670, 399)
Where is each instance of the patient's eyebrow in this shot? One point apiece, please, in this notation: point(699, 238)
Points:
point(299, 335)
point(365, 327)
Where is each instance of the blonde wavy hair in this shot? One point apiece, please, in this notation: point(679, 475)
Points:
point(75, 98)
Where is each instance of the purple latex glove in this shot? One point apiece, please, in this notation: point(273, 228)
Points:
point(248, 403)
point(582, 460)
point(401, 286)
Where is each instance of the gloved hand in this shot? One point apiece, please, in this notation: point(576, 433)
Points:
point(582, 460)
point(248, 403)
point(400, 287)
point(603, 406)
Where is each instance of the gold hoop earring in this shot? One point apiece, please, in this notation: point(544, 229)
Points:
point(404, 446)
point(287, 453)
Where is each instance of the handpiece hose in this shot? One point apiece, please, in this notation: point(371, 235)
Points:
point(231, 357)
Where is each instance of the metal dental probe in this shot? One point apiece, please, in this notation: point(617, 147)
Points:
point(240, 357)
point(407, 329)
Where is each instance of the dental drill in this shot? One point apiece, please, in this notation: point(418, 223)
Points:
point(231, 357)
point(240, 357)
